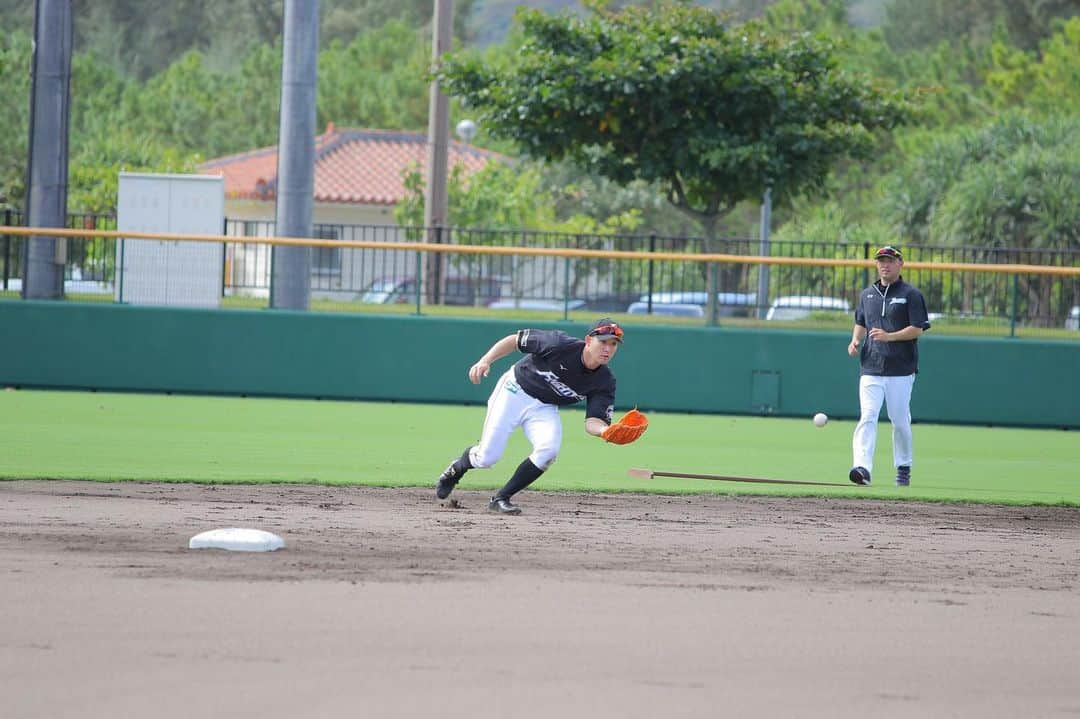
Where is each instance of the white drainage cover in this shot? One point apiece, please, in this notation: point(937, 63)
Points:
point(236, 539)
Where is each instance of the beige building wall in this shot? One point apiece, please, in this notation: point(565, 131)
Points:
point(331, 213)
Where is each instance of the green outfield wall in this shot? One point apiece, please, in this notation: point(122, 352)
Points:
point(424, 359)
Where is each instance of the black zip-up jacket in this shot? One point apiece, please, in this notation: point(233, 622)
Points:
point(891, 308)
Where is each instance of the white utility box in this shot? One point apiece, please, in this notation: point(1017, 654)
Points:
point(170, 272)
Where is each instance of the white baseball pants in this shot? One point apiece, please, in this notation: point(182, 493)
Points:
point(896, 393)
point(509, 406)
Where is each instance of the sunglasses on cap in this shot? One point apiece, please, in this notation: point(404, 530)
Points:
point(888, 251)
point(613, 329)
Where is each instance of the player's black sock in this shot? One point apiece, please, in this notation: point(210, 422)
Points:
point(524, 475)
point(461, 465)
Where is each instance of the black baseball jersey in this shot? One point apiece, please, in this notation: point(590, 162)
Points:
point(552, 372)
point(892, 307)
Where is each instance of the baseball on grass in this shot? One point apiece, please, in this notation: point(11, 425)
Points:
point(820, 419)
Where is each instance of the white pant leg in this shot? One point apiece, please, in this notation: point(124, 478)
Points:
point(543, 427)
point(871, 395)
point(898, 401)
point(507, 406)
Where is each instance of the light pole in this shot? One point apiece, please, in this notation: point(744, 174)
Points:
point(47, 166)
point(435, 193)
point(762, 299)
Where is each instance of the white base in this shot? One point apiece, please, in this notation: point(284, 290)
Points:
point(237, 540)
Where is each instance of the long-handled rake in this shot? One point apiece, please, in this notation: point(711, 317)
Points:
point(650, 474)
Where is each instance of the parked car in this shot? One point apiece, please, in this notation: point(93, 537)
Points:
point(72, 286)
point(729, 304)
point(1072, 322)
point(386, 291)
point(461, 291)
point(801, 307)
point(608, 303)
point(540, 305)
point(674, 309)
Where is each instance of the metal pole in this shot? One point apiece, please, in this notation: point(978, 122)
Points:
point(1015, 301)
point(438, 120)
point(652, 249)
point(764, 250)
point(7, 249)
point(712, 281)
point(438, 141)
point(120, 273)
point(418, 284)
point(712, 286)
point(46, 195)
point(435, 195)
point(566, 289)
point(290, 285)
point(866, 272)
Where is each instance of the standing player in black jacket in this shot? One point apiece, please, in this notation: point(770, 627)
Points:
point(891, 316)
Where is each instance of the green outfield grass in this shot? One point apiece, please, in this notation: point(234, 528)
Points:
point(101, 436)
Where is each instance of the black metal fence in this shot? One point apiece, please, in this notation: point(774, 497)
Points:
point(90, 265)
point(368, 276)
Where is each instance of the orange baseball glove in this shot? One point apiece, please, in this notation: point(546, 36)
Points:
point(629, 427)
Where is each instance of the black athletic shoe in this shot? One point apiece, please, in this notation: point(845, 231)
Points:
point(903, 476)
point(503, 506)
point(447, 481)
point(860, 476)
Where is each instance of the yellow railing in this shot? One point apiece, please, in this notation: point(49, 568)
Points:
point(537, 251)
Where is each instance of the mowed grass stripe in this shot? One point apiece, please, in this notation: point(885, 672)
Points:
point(108, 436)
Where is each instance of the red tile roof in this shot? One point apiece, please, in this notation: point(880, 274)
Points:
point(352, 166)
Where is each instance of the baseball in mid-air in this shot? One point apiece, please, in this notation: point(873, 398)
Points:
point(820, 419)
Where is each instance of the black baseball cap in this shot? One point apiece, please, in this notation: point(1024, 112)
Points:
point(606, 329)
point(888, 251)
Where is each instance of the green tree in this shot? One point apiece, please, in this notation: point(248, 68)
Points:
point(344, 19)
point(15, 56)
point(577, 194)
point(1005, 185)
point(499, 197)
point(179, 104)
point(828, 222)
point(193, 110)
point(712, 112)
point(95, 168)
point(1047, 82)
point(1011, 184)
point(252, 103)
point(141, 38)
point(919, 24)
point(515, 197)
point(380, 79)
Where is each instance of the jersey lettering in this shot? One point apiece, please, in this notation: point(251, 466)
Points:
point(558, 386)
point(552, 372)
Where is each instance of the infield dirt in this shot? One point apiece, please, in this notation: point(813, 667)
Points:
point(387, 603)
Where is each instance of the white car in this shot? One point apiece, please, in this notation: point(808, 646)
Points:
point(1072, 322)
point(673, 309)
point(539, 305)
point(682, 304)
point(801, 307)
point(460, 290)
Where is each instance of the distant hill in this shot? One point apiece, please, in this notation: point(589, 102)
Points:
point(490, 20)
